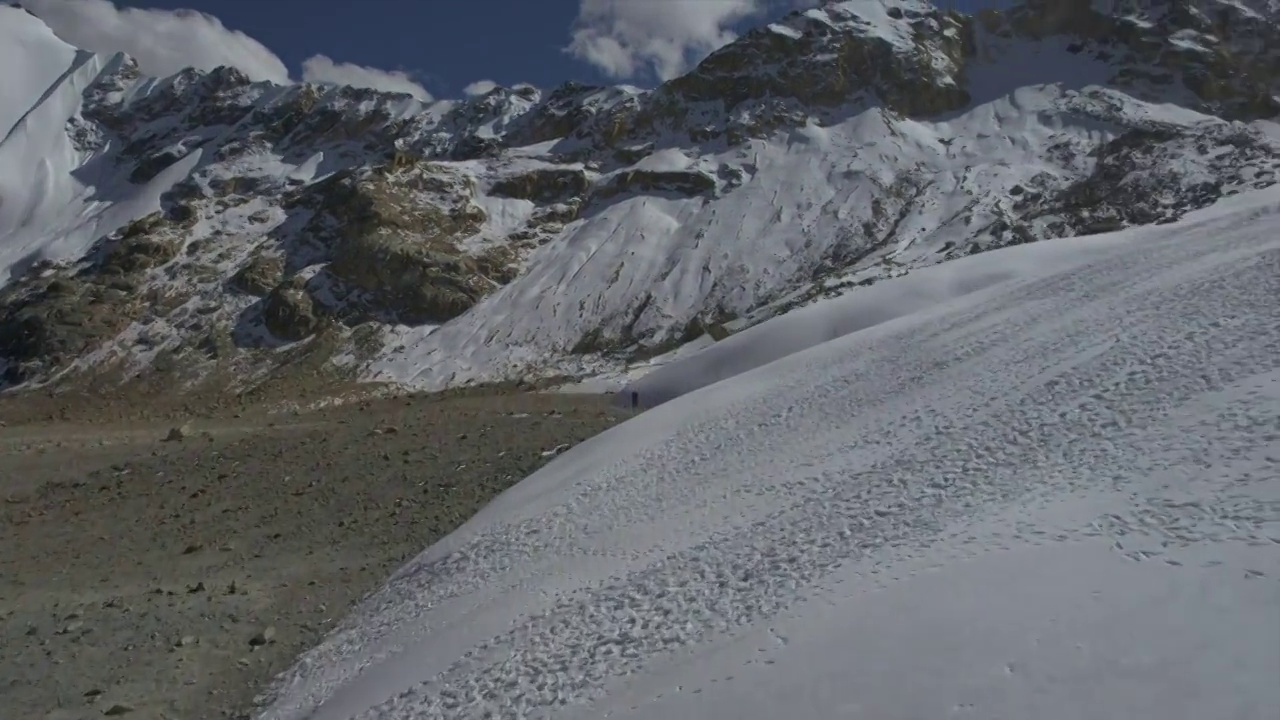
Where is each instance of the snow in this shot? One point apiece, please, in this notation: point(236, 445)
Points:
point(1055, 496)
point(647, 263)
point(57, 197)
point(865, 308)
point(666, 160)
point(785, 31)
point(32, 58)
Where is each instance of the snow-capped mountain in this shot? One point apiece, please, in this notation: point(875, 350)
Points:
point(215, 228)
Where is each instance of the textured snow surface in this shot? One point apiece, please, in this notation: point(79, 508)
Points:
point(829, 319)
point(1055, 497)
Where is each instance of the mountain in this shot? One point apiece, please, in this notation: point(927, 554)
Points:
point(1056, 494)
point(205, 229)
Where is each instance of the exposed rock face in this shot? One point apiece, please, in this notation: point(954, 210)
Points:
point(44, 329)
point(260, 275)
point(543, 186)
point(1135, 180)
point(408, 281)
point(55, 315)
point(1226, 53)
point(289, 312)
point(650, 181)
point(568, 111)
point(399, 251)
point(825, 58)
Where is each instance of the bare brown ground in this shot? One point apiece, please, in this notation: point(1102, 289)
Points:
point(173, 579)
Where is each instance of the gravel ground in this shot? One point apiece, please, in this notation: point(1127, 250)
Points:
point(153, 578)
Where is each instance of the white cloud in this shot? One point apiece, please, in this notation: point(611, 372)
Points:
point(162, 41)
point(479, 87)
point(321, 69)
point(167, 41)
point(627, 38)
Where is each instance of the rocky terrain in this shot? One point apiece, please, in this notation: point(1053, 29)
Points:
point(167, 566)
point(253, 229)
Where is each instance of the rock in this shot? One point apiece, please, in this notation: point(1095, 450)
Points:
point(192, 548)
point(289, 312)
point(178, 433)
point(543, 186)
point(152, 166)
point(409, 279)
point(185, 641)
point(133, 254)
point(825, 62)
point(402, 254)
point(685, 183)
point(118, 709)
point(260, 275)
point(263, 637)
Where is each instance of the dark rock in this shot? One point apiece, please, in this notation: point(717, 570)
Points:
point(289, 313)
point(147, 169)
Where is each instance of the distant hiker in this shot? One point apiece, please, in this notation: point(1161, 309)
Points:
point(635, 399)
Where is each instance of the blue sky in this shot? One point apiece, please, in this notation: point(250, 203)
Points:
point(445, 44)
point(429, 48)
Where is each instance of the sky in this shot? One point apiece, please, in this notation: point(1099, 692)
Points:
point(428, 48)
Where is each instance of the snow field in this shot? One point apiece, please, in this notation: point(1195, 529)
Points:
point(1121, 412)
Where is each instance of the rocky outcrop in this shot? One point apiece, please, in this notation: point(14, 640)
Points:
point(1226, 53)
point(153, 165)
point(809, 63)
point(289, 312)
point(393, 236)
point(543, 186)
point(55, 315)
point(686, 183)
point(406, 281)
point(1156, 176)
point(42, 328)
point(826, 57)
point(260, 275)
point(568, 110)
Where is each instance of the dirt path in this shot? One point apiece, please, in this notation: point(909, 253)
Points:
point(158, 579)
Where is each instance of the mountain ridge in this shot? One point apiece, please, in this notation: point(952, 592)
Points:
point(228, 231)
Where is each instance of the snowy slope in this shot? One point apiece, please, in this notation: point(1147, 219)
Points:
point(1057, 496)
point(826, 320)
point(33, 58)
point(56, 202)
